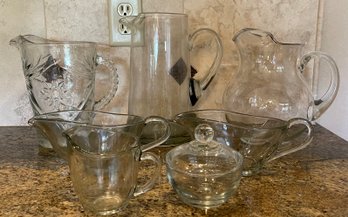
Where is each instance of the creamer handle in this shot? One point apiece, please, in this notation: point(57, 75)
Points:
point(140, 189)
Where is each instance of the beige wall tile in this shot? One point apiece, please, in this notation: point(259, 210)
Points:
point(288, 20)
point(77, 20)
point(172, 6)
point(16, 17)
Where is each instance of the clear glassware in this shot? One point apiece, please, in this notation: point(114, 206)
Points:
point(160, 63)
point(54, 124)
point(104, 167)
point(259, 139)
point(204, 173)
point(162, 78)
point(60, 75)
point(270, 79)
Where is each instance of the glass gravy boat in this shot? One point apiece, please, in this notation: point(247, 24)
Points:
point(54, 125)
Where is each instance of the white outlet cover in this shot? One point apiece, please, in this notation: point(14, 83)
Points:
point(116, 38)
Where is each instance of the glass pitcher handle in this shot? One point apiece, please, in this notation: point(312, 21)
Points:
point(101, 103)
point(140, 189)
point(290, 145)
point(165, 129)
point(321, 104)
point(196, 87)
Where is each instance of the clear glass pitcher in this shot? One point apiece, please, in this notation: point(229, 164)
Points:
point(161, 81)
point(60, 75)
point(270, 79)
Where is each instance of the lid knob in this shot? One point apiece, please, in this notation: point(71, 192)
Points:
point(204, 133)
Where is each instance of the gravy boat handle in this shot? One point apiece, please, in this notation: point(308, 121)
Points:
point(297, 141)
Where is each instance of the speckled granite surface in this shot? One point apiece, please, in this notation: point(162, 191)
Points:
point(310, 182)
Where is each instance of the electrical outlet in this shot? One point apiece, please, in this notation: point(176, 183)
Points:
point(120, 35)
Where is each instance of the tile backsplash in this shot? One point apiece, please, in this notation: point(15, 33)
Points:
point(290, 21)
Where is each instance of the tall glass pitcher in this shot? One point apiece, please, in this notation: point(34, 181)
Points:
point(270, 79)
point(60, 75)
point(161, 75)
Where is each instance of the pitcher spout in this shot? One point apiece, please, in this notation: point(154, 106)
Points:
point(20, 40)
point(52, 130)
point(250, 35)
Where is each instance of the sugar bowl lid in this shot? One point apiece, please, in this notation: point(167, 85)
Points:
point(203, 155)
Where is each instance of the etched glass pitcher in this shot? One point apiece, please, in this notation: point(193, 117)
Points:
point(270, 79)
point(161, 75)
point(60, 75)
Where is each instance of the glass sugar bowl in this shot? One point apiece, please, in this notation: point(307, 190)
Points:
point(204, 173)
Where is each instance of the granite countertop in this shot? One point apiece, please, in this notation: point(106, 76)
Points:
point(310, 182)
